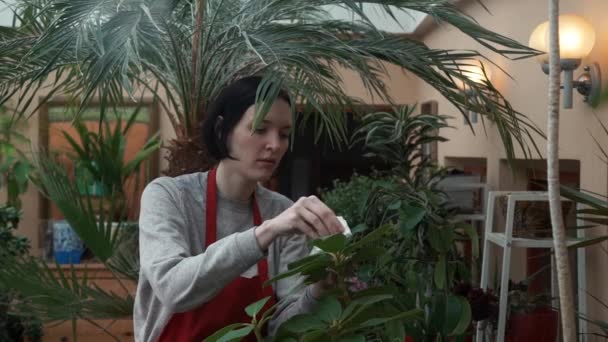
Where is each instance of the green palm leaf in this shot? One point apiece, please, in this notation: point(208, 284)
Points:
point(55, 294)
point(89, 222)
point(106, 48)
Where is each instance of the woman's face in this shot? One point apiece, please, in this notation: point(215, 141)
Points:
point(259, 152)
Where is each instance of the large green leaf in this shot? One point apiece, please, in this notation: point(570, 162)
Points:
point(440, 272)
point(332, 244)
point(415, 314)
point(328, 309)
point(253, 309)
point(472, 233)
point(464, 314)
point(303, 323)
point(311, 265)
point(352, 338)
point(369, 239)
point(395, 331)
point(230, 332)
point(237, 334)
point(410, 217)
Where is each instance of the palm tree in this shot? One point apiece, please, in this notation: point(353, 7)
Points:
point(559, 233)
point(183, 52)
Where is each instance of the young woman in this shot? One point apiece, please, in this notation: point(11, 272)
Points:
point(208, 241)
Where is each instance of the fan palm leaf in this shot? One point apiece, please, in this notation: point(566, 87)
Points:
point(88, 220)
point(112, 47)
point(59, 295)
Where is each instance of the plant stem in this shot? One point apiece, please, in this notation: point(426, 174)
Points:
point(258, 333)
point(342, 286)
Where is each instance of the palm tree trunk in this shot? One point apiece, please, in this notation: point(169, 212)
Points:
point(187, 153)
point(195, 82)
point(559, 233)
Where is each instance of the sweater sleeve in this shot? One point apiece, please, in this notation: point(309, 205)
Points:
point(293, 297)
point(180, 280)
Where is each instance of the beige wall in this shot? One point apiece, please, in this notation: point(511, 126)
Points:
point(528, 94)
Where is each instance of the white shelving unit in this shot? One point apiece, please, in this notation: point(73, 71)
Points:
point(506, 241)
point(467, 184)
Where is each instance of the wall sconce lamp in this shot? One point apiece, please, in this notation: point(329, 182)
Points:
point(479, 73)
point(576, 41)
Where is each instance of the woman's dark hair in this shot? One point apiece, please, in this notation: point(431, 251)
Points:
point(227, 110)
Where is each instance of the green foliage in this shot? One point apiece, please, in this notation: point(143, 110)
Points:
point(424, 261)
point(52, 294)
point(398, 138)
point(344, 314)
point(56, 294)
point(237, 331)
point(14, 165)
point(13, 326)
point(189, 53)
point(102, 154)
point(349, 199)
point(10, 244)
point(406, 255)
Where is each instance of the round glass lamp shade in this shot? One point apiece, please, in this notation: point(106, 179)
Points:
point(538, 41)
point(474, 72)
point(576, 38)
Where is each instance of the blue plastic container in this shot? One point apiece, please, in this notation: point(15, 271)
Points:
point(71, 257)
point(67, 246)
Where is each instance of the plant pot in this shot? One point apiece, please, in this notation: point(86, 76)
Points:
point(67, 245)
point(537, 326)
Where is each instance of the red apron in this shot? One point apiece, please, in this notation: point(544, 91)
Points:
point(228, 306)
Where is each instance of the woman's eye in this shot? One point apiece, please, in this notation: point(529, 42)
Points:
point(260, 130)
point(284, 135)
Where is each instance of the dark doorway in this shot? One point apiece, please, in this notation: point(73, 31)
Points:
point(311, 166)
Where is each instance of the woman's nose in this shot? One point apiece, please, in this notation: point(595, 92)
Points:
point(273, 141)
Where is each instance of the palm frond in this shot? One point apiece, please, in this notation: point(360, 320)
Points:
point(55, 294)
point(106, 48)
point(88, 220)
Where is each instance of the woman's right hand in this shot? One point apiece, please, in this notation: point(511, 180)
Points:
point(309, 216)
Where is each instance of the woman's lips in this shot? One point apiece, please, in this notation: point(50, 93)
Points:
point(267, 162)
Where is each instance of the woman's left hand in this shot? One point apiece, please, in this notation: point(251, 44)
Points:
point(322, 286)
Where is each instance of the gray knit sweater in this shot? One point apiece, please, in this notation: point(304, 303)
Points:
point(178, 274)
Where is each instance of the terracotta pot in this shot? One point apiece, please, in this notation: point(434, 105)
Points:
point(537, 326)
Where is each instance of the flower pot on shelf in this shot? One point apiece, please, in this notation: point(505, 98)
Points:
point(539, 325)
point(67, 245)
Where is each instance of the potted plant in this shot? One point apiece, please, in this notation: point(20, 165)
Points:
point(402, 258)
point(101, 170)
point(530, 317)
